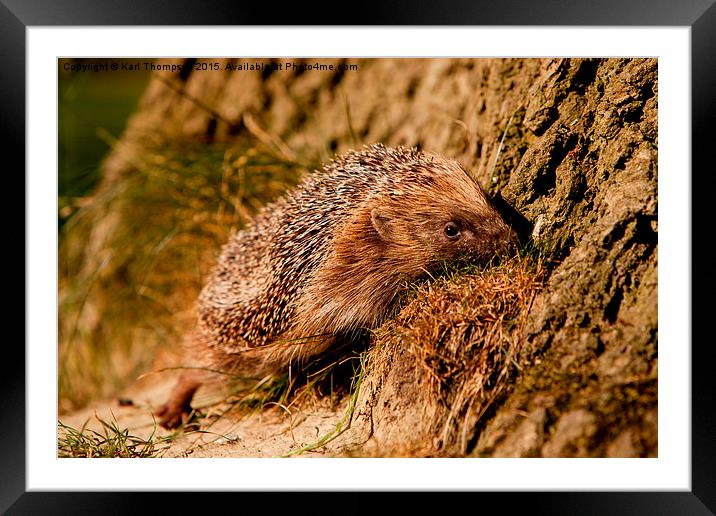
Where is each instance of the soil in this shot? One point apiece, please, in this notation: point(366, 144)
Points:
point(271, 432)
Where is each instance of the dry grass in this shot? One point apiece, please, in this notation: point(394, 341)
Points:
point(132, 257)
point(465, 334)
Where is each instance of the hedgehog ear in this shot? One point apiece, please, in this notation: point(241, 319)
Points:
point(381, 222)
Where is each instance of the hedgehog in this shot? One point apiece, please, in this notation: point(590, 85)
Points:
point(331, 258)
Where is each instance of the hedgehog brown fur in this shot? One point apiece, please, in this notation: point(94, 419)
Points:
point(331, 258)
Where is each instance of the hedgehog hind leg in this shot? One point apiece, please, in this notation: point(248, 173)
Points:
point(176, 410)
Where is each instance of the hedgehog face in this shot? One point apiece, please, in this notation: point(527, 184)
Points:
point(474, 238)
point(442, 232)
point(444, 210)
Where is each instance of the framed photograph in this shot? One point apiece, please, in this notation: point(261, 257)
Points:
point(416, 257)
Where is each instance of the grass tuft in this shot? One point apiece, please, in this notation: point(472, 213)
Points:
point(112, 441)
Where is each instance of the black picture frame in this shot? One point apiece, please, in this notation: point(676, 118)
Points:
point(700, 15)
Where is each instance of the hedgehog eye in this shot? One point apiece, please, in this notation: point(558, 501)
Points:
point(452, 231)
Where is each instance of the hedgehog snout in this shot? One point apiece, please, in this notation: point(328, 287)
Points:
point(499, 239)
point(512, 241)
point(504, 239)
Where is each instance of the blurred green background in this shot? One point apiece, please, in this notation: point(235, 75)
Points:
point(93, 108)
